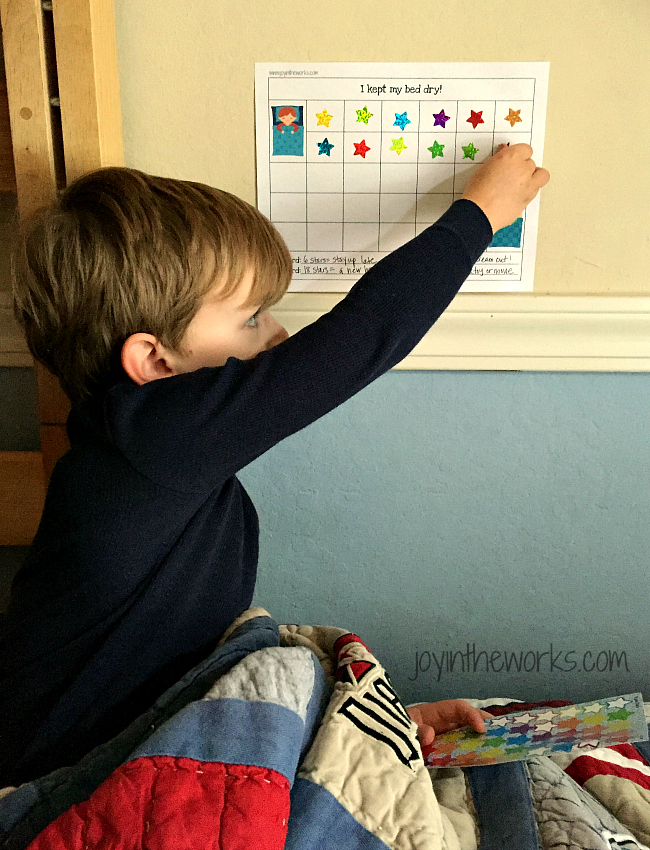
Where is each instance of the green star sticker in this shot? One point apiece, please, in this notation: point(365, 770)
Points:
point(363, 115)
point(494, 743)
point(436, 150)
point(398, 145)
point(621, 714)
point(469, 151)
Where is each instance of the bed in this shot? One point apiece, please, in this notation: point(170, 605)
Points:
point(293, 737)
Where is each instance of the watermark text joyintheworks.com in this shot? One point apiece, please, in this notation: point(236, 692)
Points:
point(554, 660)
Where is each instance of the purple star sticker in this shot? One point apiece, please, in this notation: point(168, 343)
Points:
point(441, 118)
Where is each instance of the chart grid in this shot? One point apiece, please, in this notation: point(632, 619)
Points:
point(351, 176)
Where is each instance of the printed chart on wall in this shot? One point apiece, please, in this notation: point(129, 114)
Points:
point(354, 160)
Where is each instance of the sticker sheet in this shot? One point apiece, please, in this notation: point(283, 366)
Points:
point(354, 160)
point(541, 731)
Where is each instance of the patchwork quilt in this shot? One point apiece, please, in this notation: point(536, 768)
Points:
point(293, 737)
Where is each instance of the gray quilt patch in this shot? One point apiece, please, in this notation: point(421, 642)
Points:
point(567, 816)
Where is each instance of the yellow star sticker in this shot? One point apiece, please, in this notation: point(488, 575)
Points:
point(398, 145)
point(513, 116)
point(324, 119)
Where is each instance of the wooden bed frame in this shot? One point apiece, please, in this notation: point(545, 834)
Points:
point(63, 109)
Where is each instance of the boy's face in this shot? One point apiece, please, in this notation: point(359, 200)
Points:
point(224, 328)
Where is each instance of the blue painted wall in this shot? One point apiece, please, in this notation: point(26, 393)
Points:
point(507, 511)
point(467, 523)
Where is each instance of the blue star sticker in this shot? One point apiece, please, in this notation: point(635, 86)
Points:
point(324, 147)
point(401, 120)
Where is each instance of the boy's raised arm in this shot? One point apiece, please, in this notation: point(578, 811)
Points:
point(237, 412)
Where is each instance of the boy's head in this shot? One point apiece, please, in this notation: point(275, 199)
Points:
point(127, 272)
point(287, 115)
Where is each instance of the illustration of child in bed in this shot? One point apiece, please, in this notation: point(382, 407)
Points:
point(149, 298)
point(288, 131)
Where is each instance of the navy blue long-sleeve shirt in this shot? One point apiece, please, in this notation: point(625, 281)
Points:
point(147, 548)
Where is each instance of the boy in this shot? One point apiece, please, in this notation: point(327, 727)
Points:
point(149, 298)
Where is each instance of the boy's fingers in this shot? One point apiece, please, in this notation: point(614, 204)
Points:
point(415, 714)
point(541, 177)
point(426, 735)
point(521, 149)
point(459, 713)
point(476, 721)
point(467, 715)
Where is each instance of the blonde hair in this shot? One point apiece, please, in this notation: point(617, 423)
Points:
point(123, 252)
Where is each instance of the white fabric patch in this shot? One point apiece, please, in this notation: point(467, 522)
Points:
point(361, 755)
point(279, 675)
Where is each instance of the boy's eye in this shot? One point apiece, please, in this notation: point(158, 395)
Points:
point(252, 322)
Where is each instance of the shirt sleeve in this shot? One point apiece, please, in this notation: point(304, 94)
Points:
point(192, 431)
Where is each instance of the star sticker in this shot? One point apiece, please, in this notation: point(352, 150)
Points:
point(500, 721)
point(568, 723)
point(544, 727)
point(617, 703)
point(436, 150)
point(494, 744)
point(513, 116)
point(491, 731)
point(569, 711)
point(594, 719)
point(323, 118)
point(361, 148)
point(440, 118)
point(541, 736)
point(324, 147)
point(469, 151)
point(621, 714)
point(398, 145)
point(547, 715)
point(475, 118)
point(401, 120)
point(596, 706)
point(454, 736)
point(518, 740)
point(524, 718)
point(363, 115)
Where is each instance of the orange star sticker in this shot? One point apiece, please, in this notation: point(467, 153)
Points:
point(513, 116)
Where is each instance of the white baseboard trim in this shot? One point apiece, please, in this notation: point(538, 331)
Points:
point(594, 333)
point(518, 332)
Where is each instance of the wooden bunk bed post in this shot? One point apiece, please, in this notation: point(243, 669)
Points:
point(79, 76)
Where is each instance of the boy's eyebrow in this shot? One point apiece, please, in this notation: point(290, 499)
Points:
point(260, 306)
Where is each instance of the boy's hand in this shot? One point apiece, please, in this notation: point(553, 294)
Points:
point(434, 718)
point(505, 184)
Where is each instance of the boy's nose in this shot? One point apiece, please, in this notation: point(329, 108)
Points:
point(278, 335)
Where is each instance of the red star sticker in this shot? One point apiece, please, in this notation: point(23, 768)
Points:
point(475, 118)
point(361, 148)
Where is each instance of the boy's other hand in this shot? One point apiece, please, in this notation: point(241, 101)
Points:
point(434, 718)
point(506, 183)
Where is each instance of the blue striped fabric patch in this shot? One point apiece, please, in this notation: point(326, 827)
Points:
point(504, 806)
point(318, 821)
point(231, 731)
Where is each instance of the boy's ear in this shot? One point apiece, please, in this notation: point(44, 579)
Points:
point(144, 359)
